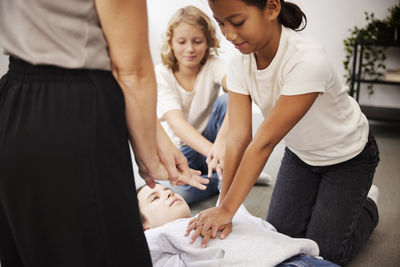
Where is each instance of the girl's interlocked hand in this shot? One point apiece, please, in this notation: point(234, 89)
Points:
point(208, 222)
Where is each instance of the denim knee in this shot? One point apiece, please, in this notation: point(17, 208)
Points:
point(306, 261)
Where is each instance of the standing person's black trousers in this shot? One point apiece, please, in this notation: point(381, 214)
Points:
point(67, 193)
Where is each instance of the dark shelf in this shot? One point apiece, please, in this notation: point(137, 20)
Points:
point(377, 82)
point(372, 112)
point(391, 44)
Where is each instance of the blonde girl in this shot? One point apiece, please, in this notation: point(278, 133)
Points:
point(188, 83)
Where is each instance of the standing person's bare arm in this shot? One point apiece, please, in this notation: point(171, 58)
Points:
point(125, 27)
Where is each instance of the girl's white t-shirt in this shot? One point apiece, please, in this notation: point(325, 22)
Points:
point(334, 129)
point(196, 105)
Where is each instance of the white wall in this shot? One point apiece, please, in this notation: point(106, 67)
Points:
point(328, 23)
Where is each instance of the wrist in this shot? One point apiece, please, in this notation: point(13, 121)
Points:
point(227, 210)
point(208, 150)
point(149, 162)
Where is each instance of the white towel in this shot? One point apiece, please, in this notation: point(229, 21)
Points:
point(252, 242)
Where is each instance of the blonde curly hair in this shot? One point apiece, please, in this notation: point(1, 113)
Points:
point(193, 16)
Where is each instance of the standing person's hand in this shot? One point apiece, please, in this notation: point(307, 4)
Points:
point(149, 171)
point(175, 163)
point(208, 222)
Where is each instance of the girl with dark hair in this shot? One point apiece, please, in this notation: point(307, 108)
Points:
point(330, 157)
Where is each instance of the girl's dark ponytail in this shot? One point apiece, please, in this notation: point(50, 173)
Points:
point(291, 16)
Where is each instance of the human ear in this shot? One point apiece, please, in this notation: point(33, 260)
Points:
point(273, 8)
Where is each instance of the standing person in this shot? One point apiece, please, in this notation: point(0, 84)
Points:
point(66, 182)
point(330, 155)
point(188, 83)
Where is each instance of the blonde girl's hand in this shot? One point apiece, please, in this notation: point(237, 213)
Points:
point(208, 222)
point(215, 158)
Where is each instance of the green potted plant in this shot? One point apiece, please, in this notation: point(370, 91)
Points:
point(375, 36)
point(376, 32)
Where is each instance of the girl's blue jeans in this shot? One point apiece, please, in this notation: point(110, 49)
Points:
point(327, 204)
point(197, 161)
point(306, 261)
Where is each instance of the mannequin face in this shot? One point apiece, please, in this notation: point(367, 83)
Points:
point(189, 44)
point(161, 205)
